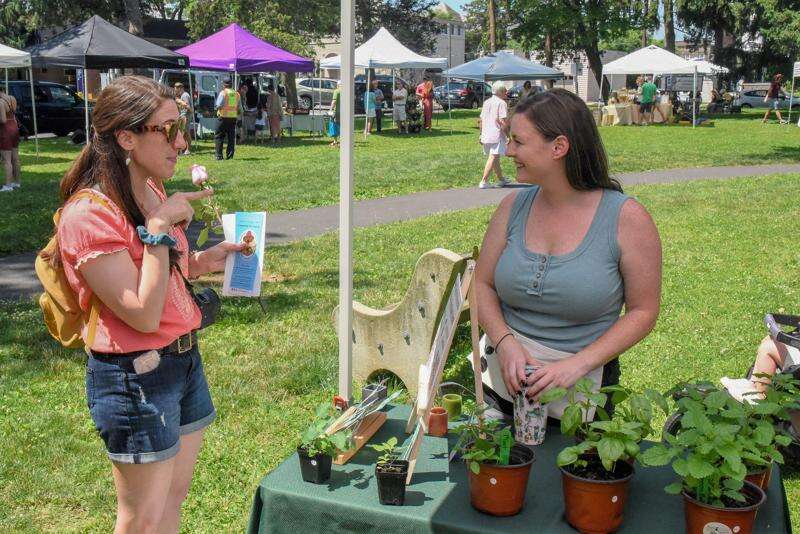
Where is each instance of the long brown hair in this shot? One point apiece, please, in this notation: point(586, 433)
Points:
point(560, 112)
point(126, 104)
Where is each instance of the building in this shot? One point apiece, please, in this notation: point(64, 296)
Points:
point(451, 39)
point(581, 79)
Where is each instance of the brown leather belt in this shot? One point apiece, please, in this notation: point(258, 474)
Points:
point(183, 344)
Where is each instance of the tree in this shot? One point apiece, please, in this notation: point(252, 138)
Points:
point(411, 21)
point(669, 26)
point(133, 13)
point(578, 25)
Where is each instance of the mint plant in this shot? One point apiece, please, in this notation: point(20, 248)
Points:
point(480, 439)
point(391, 452)
point(315, 440)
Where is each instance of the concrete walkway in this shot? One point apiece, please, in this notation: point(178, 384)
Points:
point(18, 279)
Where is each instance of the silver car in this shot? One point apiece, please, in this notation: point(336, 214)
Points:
point(754, 98)
point(312, 92)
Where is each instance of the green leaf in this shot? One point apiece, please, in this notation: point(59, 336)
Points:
point(674, 489)
point(567, 456)
point(681, 467)
point(763, 434)
point(475, 467)
point(717, 399)
point(571, 419)
point(610, 449)
point(766, 408)
point(699, 467)
point(203, 237)
point(552, 394)
point(655, 456)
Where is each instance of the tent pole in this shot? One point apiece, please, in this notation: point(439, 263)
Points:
point(694, 97)
point(366, 112)
point(6, 72)
point(394, 84)
point(791, 97)
point(192, 85)
point(85, 101)
point(449, 107)
point(33, 104)
point(346, 202)
point(239, 111)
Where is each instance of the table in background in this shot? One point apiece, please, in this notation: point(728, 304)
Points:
point(438, 498)
point(617, 114)
point(666, 112)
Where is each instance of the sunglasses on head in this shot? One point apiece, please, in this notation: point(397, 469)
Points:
point(170, 129)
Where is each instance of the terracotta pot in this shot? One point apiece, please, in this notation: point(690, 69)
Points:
point(437, 423)
point(595, 506)
point(500, 489)
point(702, 518)
point(761, 478)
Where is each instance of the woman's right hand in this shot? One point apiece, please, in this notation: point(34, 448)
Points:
point(513, 359)
point(176, 210)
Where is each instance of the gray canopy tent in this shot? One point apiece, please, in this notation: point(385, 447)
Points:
point(11, 58)
point(98, 44)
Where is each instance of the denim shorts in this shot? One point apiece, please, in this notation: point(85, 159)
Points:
point(142, 416)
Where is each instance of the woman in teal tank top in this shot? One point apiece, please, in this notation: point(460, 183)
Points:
point(560, 259)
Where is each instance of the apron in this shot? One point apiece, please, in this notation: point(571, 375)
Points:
point(492, 375)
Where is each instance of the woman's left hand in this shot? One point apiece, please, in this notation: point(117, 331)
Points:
point(560, 374)
point(212, 260)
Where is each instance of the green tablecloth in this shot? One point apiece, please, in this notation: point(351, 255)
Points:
point(438, 498)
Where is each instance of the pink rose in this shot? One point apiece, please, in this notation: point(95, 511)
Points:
point(199, 175)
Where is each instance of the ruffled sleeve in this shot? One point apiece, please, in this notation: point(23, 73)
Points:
point(88, 229)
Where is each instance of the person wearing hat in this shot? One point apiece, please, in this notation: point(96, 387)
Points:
point(184, 101)
point(229, 106)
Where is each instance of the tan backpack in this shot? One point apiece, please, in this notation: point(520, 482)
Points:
point(62, 314)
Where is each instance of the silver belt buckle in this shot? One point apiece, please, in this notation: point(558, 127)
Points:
point(181, 347)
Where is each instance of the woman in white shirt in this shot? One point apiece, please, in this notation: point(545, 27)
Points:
point(493, 136)
point(399, 99)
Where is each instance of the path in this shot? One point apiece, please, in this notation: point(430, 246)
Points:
point(18, 280)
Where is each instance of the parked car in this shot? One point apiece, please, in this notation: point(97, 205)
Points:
point(384, 84)
point(515, 92)
point(315, 91)
point(59, 109)
point(462, 94)
point(753, 97)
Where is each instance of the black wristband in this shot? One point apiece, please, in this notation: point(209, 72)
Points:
point(496, 345)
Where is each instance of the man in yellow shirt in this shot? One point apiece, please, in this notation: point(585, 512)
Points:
point(229, 107)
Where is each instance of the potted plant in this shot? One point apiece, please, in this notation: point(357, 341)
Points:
point(391, 473)
point(317, 448)
point(596, 472)
point(499, 468)
point(707, 449)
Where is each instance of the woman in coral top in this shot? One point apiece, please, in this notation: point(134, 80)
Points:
point(425, 93)
point(122, 241)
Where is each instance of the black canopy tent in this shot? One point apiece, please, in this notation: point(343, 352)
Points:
point(98, 44)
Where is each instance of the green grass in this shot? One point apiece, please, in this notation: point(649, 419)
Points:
point(728, 259)
point(304, 171)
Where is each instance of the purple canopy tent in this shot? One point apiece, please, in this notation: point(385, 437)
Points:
point(234, 49)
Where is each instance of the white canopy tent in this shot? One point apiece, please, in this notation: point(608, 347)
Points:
point(384, 51)
point(11, 58)
point(653, 60)
point(708, 68)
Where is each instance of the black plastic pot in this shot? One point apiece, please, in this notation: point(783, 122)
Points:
point(392, 485)
point(314, 469)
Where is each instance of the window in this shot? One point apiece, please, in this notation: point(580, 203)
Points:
point(330, 85)
point(306, 83)
point(208, 83)
point(458, 28)
point(60, 96)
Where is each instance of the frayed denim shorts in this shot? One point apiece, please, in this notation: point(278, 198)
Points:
point(142, 416)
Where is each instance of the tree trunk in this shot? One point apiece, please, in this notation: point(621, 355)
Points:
point(291, 90)
point(133, 12)
point(596, 64)
point(669, 26)
point(644, 30)
point(719, 36)
point(548, 55)
point(492, 28)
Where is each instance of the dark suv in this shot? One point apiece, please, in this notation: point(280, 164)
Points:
point(462, 94)
point(59, 109)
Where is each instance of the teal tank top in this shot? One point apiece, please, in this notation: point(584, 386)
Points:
point(564, 302)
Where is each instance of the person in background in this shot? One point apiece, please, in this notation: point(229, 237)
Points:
point(369, 109)
point(334, 125)
point(229, 106)
point(399, 99)
point(648, 100)
point(184, 102)
point(526, 90)
point(425, 94)
point(772, 98)
point(493, 123)
point(274, 113)
point(9, 142)
point(716, 102)
point(379, 100)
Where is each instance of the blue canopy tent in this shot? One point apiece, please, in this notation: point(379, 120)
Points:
point(503, 66)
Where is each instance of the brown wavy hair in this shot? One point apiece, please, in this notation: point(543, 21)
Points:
point(560, 112)
point(125, 104)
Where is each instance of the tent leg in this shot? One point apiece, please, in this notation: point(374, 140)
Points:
point(394, 84)
point(346, 202)
point(192, 85)
point(6, 72)
point(694, 98)
point(791, 97)
point(86, 103)
point(449, 107)
point(366, 113)
point(33, 104)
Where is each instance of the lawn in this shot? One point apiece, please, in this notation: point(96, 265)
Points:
point(304, 172)
point(727, 261)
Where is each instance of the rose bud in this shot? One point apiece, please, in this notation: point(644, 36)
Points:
point(199, 175)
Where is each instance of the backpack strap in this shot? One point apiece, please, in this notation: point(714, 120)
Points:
point(94, 310)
